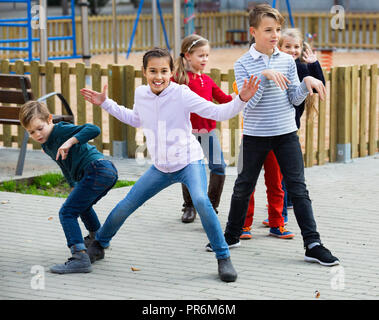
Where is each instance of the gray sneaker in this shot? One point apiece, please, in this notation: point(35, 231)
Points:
point(78, 263)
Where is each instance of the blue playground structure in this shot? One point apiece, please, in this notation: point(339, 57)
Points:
point(289, 11)
point(27, 23)
point(136, 24)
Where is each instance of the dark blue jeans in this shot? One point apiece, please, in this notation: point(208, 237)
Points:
point(98, 178)
point(288, 153)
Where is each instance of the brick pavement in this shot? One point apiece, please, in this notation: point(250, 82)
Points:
point(170, 256)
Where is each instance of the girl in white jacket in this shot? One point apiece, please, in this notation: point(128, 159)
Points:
point(162, 108)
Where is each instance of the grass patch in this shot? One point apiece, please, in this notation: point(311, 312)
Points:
point(49, 184)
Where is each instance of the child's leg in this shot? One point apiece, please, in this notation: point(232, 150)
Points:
point(99, 177)
point(213, 152)
point(250, 212)
point(252, 156)
point(285, 201)
point(151, 182)
point(194, 176)
point(288, 153)
point(275, 194)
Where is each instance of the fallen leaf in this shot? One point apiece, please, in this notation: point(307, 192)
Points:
point(4, 201)
point(135, 269)
point(317, 294)
point(50, 218)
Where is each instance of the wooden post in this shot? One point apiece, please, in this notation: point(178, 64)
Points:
point(35, 82)
point(322, 127)
point(65, 83)
point(363, 112)
point(344, 112)
point(80, 102)
point(129, 88)
point(372, 144)
point(7, 129)
point(333, 115)
point(118, 137)
point(234, 127)
point(96, 110)
point(354, 112)
point(309, 129)
point(50, 80)
point(19, 68)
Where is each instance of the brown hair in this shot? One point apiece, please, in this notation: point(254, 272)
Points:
point(157, 53)
point(263, 10)
point(31, 110)
point(189, 44)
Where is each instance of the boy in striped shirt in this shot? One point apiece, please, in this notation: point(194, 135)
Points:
point(269, 124)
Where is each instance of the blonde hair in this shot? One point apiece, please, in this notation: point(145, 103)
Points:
point(297, 35)
point(189, 45)
point(31, 110)
point(264, 10)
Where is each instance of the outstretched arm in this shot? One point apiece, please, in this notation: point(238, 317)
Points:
point(120, 112)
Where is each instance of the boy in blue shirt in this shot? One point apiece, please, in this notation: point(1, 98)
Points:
point(88, 173)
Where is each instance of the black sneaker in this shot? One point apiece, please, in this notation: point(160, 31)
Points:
point(231, 245)
point(95, 251)
point(321, 255)
point(226, 270)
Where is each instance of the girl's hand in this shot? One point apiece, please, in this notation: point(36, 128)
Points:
point(276, 76)
point(65, 148)
point(313, 83)
point(93, 96)
point(249, 88)
point(309, 56)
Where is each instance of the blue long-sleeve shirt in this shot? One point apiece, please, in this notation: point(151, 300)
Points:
point(79, 155)
point(270, 112)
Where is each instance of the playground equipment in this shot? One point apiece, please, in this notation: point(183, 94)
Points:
point(155, 6)
point(189, 17)
point(289, 11)
point(29, 24)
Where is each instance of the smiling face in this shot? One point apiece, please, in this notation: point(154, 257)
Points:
point(39, 130)
point(291, 46)
point(266, 35)
point(158, 73)
point(198, 58)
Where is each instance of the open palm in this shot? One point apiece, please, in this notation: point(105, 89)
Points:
point(93, 96)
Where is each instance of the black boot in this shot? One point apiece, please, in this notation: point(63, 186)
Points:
point(95, 251)
point(226, 270)
point(216, 184)
point(189, 212)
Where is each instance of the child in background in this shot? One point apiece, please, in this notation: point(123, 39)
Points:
point(269, 124)
point(162, 108)
point(86, 170)
point(189, 69)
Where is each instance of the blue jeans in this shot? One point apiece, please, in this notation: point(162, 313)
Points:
point(212, 151)
point(152, 182)
point(98, 178)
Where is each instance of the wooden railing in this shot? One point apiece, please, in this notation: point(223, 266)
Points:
point(349, 115)
point(361, 32)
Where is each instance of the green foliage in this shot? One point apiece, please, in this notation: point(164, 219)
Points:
point(50, 184)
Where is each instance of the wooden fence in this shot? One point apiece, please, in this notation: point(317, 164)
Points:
point(361, 32)
point(349, 115)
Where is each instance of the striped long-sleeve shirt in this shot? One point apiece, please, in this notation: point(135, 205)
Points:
point(270, 111)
